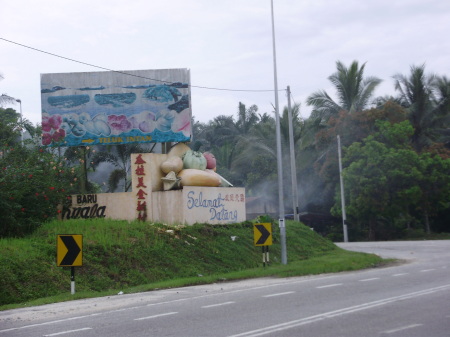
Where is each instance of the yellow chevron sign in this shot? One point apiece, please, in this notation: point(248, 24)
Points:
point(262, 234)
point(69, 250)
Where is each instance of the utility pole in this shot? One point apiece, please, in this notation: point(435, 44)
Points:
point(279, 166)
point(21, 121)
point(293, 166)
point(344, 217)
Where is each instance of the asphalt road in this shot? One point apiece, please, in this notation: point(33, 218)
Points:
point(409, 299)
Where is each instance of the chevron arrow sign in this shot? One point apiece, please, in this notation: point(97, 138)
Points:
point(69, 250)
point(262, 234)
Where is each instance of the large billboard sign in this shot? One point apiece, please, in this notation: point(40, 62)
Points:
point(116, 107)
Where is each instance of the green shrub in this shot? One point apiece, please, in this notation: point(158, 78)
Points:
point(33, 181)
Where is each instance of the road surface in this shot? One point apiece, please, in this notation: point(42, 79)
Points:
point(407, 299)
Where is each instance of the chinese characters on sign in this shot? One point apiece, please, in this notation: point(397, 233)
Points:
point(140, 186)
point(216, 205)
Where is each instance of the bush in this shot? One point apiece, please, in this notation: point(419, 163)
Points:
point(33, 181)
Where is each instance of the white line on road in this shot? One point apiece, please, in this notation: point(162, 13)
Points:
point(65, 332)
point(329, 285)
point(400, 274)
point(279, 294)
point(48, 323)
point(311, 319)
point(369, 279)
point(236, 291)
point(217, 305)
point(155, 316)
point(402, 328)
point(426, 270)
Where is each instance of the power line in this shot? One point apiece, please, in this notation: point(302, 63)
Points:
point(128, 74)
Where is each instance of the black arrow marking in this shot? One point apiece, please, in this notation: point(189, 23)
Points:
point(265, 234)
point(72, 250)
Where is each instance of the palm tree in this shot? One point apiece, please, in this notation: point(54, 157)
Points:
point(118, 156)
point(353, 91)
point(442, 88)
point(426, 98)
point(259, 145)
point(247, 118)
point(223, 133)
point(221, 130)
point(4, 98)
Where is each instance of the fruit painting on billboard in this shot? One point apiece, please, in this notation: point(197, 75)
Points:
point(116, 107)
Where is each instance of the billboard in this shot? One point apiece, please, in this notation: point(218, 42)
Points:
point(116, 107)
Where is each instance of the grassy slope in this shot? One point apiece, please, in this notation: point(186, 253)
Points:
point(118, 255)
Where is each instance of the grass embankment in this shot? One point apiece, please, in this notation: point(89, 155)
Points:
point(131, 257)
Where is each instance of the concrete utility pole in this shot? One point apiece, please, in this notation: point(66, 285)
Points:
point(344, 216)
point(293, 166)
point(21, 121)
point(279, 159)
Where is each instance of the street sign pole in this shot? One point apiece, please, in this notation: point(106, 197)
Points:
point(265, 255)
point(72, 280)
point(262, 236)
point(69, 253)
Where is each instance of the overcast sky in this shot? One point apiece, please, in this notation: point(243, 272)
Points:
point(226, 44)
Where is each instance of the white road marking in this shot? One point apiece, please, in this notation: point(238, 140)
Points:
point(426, 270)
point(402, 328)
point(217, 305)
point(279, 294)
point(329, 285)
point(273, 285)
point(65, 332)
point(369, 279)
point(400, 274)
point(156, 316)
point(48, 323)
point(308, 320)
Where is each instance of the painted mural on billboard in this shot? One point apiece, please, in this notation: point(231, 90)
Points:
point(110, 108)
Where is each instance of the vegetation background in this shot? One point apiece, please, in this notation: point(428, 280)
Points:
point(396, 165)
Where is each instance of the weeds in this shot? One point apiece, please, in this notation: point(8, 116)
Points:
point(136, 256)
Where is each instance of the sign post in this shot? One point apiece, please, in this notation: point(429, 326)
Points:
point(69, 253)
point(262, 236)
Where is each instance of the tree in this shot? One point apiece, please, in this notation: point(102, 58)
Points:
point(257, 154)
point(222, 137)
point(380, 179)
point(426, 98)
point(434, 185)
point(442, 96)
point(81, 161)
point(318, 160)
point(389, 185)
point(247, 118)
point(9, 127)
point(353, 91)
point(443, 108)
point(33, 181)
point(5, 98)
point(119, 157)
